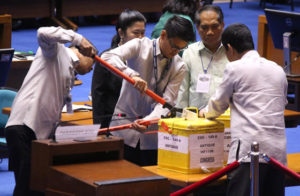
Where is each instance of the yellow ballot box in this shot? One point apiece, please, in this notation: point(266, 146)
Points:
point(225, 118)
point(190, 146)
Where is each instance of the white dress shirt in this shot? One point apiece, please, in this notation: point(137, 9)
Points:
point(39, 101)
point(255, 89)
point(214, 63)
point(140, 62)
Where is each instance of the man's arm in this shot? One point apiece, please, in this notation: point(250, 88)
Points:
point(183, 94)
point(121, 54)
point(183, 99)
point(48, 37)
point(118, 56)
point(220, 101)
point(170, 94)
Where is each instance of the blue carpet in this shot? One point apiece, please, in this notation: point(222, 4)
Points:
point(7, 180)
point(242, 12)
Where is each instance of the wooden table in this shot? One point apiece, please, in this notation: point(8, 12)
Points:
point(183, 180)
point(292, 118)
point(77, 118)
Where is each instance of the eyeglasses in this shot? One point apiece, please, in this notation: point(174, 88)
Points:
point(173, 46)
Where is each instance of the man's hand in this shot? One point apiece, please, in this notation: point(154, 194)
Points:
point(140, 84)
point(201, 113)
point(86, 48)
point(137, 126)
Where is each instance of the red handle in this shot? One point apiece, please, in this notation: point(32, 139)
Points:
point(127, 126)
point(153, 95)
point(188, 189)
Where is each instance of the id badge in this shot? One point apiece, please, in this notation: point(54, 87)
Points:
point(203, 83)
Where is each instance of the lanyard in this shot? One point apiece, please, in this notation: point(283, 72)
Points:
point(211, 59)
point(166, 68)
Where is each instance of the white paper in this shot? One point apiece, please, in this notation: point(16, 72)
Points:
point(206, 140)
point(81, 132)
point(206, 150)
point(78, 107)
point(203, 83)
point(174, 143)
point(189, 115)
point(198, 159)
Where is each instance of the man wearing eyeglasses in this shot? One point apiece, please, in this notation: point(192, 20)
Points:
point(205, 60)
point(153, 64)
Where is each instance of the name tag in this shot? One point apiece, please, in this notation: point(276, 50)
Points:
point(203, 83)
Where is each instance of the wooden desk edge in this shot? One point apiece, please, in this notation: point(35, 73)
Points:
point(183, 180)
point(77, 82)
point(292, 118)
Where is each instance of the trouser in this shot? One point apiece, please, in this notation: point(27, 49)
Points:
point(271, 181)
point(140, 157)
point(19, 138)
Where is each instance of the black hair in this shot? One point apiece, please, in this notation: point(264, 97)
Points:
point(214, 8)
point(239, 37)
point(180, 27)
point(184, 7)
point(125, 20)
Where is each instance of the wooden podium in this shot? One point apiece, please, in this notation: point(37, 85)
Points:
point(116, 177)
point(74, 168)
point(46, 154)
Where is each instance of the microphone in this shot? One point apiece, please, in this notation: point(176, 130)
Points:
point(53, 131)
point(130, 117)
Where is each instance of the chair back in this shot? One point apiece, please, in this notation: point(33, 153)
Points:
point(7, 97)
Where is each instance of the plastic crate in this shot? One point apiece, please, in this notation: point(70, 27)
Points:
point(225, 118)
point(190, 146)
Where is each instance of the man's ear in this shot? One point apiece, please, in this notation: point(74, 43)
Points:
point(121, 33)
point(163, 34)
point(222, 24)
point(230, 49)
point(233, 53)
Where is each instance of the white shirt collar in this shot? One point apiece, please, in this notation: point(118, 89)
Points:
point(74, 58)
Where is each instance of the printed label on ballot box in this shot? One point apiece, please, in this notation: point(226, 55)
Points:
point(206, 150)
point(173, 143)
